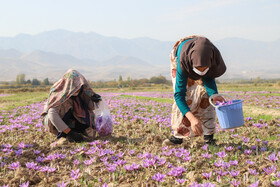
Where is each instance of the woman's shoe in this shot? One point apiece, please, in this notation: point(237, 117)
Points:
point(172, 141)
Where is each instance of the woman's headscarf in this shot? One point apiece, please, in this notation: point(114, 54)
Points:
point(200, 51)
point(62, 90)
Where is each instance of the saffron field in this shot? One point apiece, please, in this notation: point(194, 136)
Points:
point(133, 155)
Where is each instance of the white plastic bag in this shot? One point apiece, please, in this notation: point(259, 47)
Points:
point(103, 120)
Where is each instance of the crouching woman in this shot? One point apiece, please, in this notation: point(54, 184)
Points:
point(68, 111)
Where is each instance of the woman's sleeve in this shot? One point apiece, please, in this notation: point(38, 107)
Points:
point(210, 86)
point(180, 91)
point(56, 120)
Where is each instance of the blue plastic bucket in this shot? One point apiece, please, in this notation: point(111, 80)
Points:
point(231, 115)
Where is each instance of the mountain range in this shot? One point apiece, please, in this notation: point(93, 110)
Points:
point(50, 54)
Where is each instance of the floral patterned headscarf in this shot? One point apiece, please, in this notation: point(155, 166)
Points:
point(62, 90)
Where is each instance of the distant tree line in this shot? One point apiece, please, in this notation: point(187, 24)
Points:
point(20, 79)
point(121, 83)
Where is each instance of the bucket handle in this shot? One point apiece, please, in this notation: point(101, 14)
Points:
point(214, 95)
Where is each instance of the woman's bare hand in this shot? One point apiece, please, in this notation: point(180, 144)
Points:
point(196, 126)
point(219, 99)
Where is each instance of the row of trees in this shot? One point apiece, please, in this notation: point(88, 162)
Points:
point(20, 79)
point(121, 83)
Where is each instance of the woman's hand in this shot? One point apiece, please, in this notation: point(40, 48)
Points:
point(195, 124)
point(218, 98)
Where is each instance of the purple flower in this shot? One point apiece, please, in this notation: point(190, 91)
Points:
point(276, 183)
point(169, 165)
point(206, 155)
point(258, 140)
point(207, 175)
point(250, 162)
point(235, 183)
point(161, 161)
point(256, 184)
point(272, 157)
point(120, 162)
point(164, 148)
point(263, 149)
point(112, 167)
point(158, 177)
point(234, 173)
point(278, 174)
point(218, 164)
point(75, 174)
point(265, 142)
point(181, 181)
point(233, 163)
point(105, 185)
point(36, 152)
point(31, 165)
point(253, 172)
point(14, 165)
point(221, 172)
point(269, 170)
point(221, 154)
point(40, 159)
point(63, 184)
point(21, 145)
point(76, 162)
point(18, 152)
point(230, 148)
point(246, 140)
point(177, 171)
point(120, 155)
point(235, 135)
point(205, 147)
point(24, 184)
point(131, 152)
point(187, 158)
point(226, 165)
point(248, 151)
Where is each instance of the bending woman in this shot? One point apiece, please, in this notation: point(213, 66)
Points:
point(69, 109)
point(195, 63)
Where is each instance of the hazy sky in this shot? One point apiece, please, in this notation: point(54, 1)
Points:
point(166, 20)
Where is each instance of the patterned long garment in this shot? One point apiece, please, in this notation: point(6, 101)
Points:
point(197, 100)
point(60, 98)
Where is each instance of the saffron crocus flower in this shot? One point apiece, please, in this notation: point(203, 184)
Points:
point(250, 162)
point(263, 149)
point(204, 147)
point(31, 165)
point(18, 152)
point(248, 151)
point(226, 165)
point(233, 163)
point(76, 162)
point(75, 174)
point(269, 170)
point(221, 154)
point(234, 173)
point(21, 145)
point(230, 148)
point(120, 162)
point(120, 155)
point(63, 184)
point(221, 172)
point(161, 162)
point(169, 165)
point(105, 185)
point(14, 165)
point(158, 177)
point(36, 152)
point(273, 157)
point(258, 140)
point(207, 175)
point(206, 155)
point(111, 167)
point(276, 183)
point(235, 183)
point(256, 184)
point(253, 172)
point(131, 152)
point(218, 164)
point(24, 184)
point(181, 181)
point(265, 142)
point(246, 140)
